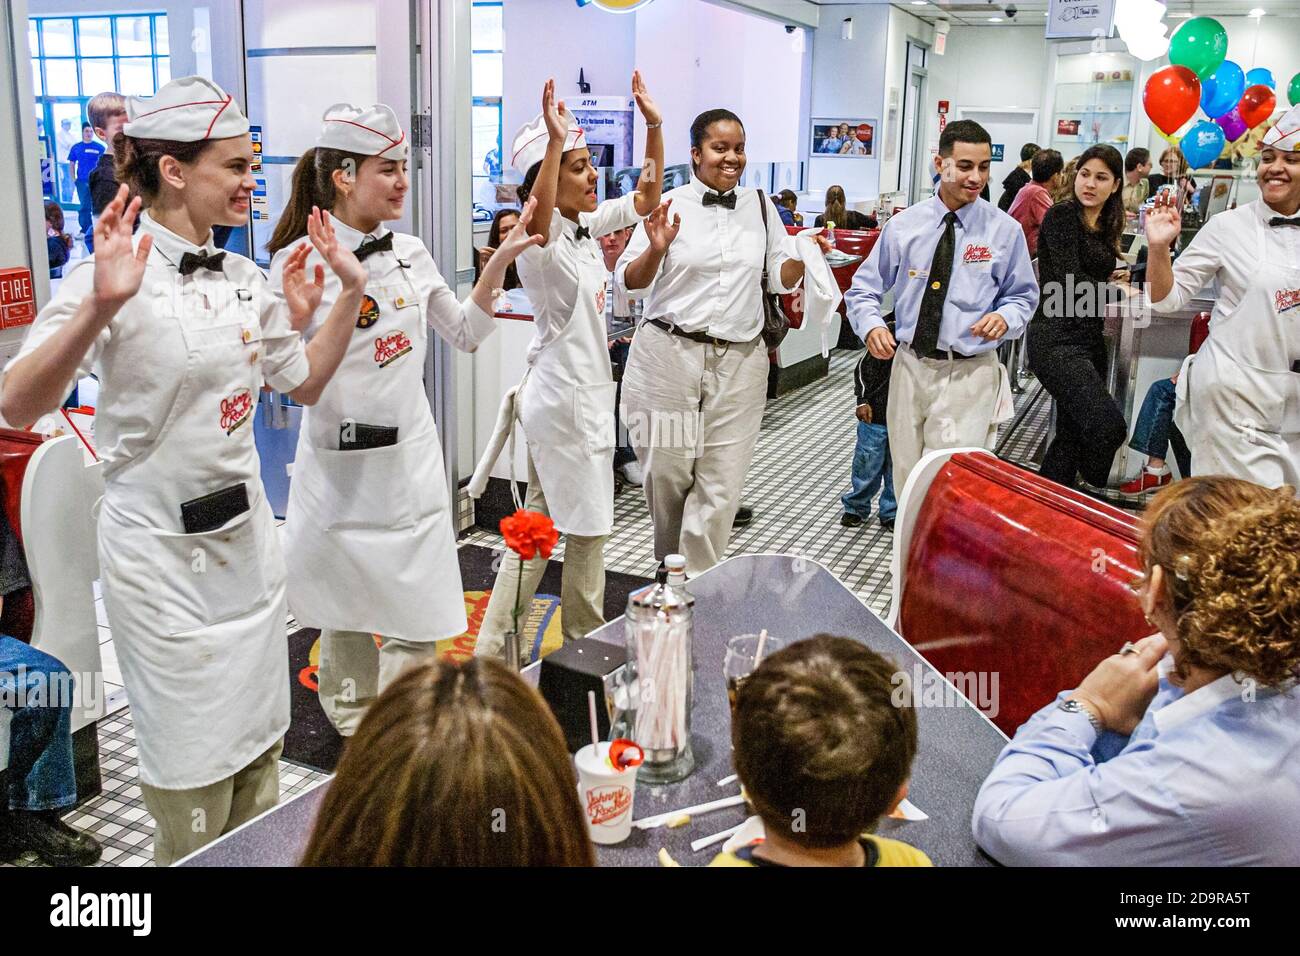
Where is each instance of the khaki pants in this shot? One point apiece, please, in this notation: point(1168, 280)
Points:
point(940, 403)
point(185, 820)
point(582, 585)
point(693, 413)
point(353, 671)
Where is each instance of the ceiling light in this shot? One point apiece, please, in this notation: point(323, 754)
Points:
point(1257, 12)
point(919, 3)
point(995, 19)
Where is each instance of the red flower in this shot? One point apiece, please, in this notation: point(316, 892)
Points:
point(528, 532)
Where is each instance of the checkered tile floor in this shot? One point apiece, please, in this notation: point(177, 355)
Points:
point(800, 469)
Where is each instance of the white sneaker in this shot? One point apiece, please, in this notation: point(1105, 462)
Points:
point(632, 473)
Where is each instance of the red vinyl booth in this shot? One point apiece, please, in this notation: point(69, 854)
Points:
point(1006, 572)
point(853, 242)
point(16, 450)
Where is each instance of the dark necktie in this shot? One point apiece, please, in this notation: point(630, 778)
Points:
point(926, 337)
point(581, 233)
point(1280, 221)
point(191, 262)
point(368, 248)
point(726, 200)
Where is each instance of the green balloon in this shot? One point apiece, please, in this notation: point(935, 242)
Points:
point(1200, 44)
point(1293, 91)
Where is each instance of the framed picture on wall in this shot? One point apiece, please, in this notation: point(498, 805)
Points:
point(851, 139)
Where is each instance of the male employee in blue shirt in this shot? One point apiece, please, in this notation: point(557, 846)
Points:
point(962, 282)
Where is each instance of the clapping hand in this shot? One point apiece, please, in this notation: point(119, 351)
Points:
point(555, 113)
point(660, 230)
point(119, 264)
point(517, 239)
point(649, 109)
point(341, 259)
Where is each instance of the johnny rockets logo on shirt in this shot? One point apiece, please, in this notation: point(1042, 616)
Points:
point(368, 314)
point(389, 348)
point(977, 254)
point(236, 410)
point(1286, 299)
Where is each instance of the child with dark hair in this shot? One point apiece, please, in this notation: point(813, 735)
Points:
point(58, 244)
point(824, 742)
point(872, 467)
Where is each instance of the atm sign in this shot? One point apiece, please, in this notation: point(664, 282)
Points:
point(17, 301)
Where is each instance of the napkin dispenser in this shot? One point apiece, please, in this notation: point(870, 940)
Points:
point(568, 674)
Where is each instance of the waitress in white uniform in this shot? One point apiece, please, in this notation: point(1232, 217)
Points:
point(369, 509)
point(181, 337)
point(566, 400)
point(1239, 396)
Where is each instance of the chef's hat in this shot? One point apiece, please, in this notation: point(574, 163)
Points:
point(533, 137)
point(372, 131)
point(186, 110)
point(1285, 134)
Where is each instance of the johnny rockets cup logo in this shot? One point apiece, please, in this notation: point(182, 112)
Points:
point(389, 348)
point(368, 314)
point(236, 410)
point(977, 254)
point(607, 804)
point(1286, 299)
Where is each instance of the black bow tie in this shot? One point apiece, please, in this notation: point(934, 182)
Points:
point(581, 233)
point(1280, 221)
point(720, 199)
point(368, 248)
point(191, 262)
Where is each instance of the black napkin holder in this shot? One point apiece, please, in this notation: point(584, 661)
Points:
point(568, 674)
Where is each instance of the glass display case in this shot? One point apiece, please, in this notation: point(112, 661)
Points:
point(1093, 101)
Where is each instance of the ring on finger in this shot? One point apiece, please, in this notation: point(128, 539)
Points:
point(1128, 648)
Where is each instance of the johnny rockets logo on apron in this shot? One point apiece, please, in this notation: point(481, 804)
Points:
point(1238, 398)
point(376, 521)
point(236, 410)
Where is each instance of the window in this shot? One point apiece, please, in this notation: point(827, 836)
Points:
point(74, 58)
point(487, 80)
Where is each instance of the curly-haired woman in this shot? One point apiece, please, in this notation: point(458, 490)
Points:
point(1184, 748)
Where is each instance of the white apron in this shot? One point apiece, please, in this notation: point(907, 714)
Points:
point(369, 539)
point(1238, 398)
point(198, 619)
point(566, 403)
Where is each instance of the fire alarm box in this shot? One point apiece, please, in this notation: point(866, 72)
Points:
point(17, 298)
point(943, 107)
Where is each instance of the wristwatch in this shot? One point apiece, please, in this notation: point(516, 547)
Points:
point(1072, 706)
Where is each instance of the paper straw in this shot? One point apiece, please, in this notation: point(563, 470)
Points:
point(659, 819)
point(591, 711)
point(727, 780)
point(702, 842)
point(762, 642)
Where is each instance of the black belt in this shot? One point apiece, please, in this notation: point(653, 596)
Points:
point(702, 337)
point(940, 354)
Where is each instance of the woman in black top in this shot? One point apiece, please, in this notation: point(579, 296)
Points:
point(502, 223)
point(1077, 250)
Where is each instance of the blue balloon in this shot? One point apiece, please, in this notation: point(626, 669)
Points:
point(1261, 76)
point(1202, 144)
point(1222, 89)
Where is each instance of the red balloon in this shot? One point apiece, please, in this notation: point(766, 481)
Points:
point(1256, 105)
point(1171, 97)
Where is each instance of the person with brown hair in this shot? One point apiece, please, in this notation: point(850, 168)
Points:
point(456, 764)
point(1064, 190)
point(836, 212)
point(824, 736)
point(182, 337)
point(1179, 749)
point(58, 244)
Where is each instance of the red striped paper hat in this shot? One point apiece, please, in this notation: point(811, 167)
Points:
point(1285, 134)
point(186, 110)
point(532, 138)
point(366, 131)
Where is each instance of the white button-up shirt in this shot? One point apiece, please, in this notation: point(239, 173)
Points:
point(1227, 251)
point(710, 278)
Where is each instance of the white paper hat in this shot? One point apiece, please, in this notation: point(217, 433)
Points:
point(185, 110)
point(372, 131)
point(532, 138)
point(1285, 134)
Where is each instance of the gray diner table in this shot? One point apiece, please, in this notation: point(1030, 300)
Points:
point(793, 598)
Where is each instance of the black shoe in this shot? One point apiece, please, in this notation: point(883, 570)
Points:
point(887, 524)
point(850, 521)
point(45, 834)
point(744, 515)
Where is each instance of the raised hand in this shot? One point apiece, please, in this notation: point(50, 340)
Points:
point(659, 229)
point(1164, 222)
point(517, 239)
point(341, 259)
point(649, 109)
point(556, 116)
point(119, 263)
point(303, 295)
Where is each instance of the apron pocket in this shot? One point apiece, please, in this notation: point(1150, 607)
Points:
point(210, 577)
point(1259, 397)
point(594, 415)
point(364, 488)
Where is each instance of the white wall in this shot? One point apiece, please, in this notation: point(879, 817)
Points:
point(902, 28)
point(848, 83)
